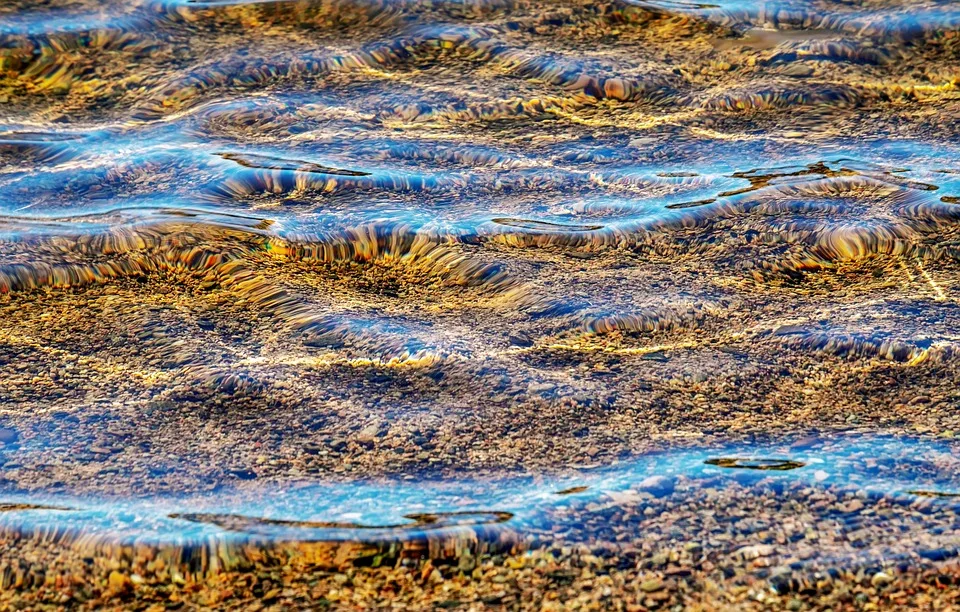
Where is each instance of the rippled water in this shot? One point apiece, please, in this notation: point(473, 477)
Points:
point(371, 281)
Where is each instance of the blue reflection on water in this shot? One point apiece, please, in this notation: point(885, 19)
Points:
point(356, 510)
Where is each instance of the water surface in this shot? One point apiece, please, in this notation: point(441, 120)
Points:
point(376, 282)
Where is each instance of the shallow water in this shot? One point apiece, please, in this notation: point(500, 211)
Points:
point(401, 279)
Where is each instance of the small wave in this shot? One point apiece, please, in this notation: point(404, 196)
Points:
point(544, 226)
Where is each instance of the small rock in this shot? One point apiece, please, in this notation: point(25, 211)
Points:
point(789, 330)
point(541, 387)
point(657, 485)
point(756, 551)
point(881, 579)
point(271, 595)
point(119, 582)
point(798, 71)
point(649, 586)
point(369, 432)
point(520, 339)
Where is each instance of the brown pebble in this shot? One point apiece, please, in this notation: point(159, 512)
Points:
point(119, 582)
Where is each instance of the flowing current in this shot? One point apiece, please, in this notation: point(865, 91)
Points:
point(366, 284)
